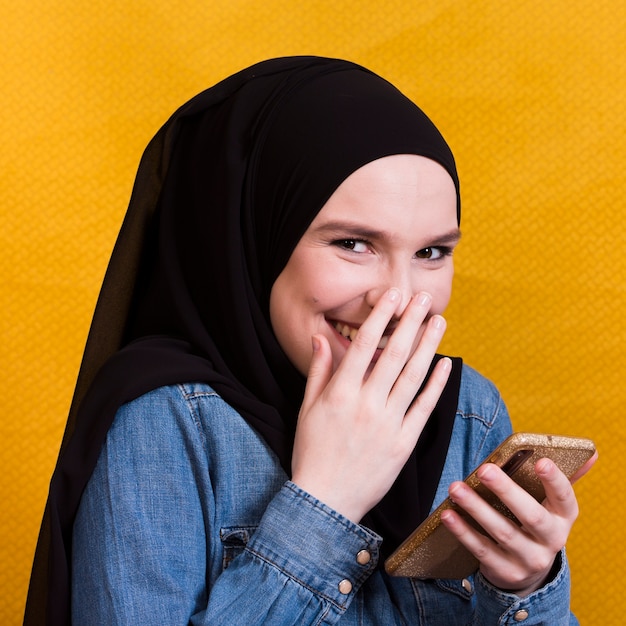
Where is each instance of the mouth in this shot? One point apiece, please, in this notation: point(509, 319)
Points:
point(349, 332)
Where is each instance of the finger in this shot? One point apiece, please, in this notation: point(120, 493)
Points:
point(502, 540)
point(480, 546)
point(419, 412)
point(560, 496)
point(416, 369)
point(516, 566)
point(402, 342)
point(494, 523)
point(320, 371)
point(548, 522)
point(528, 511)
point(359, 355)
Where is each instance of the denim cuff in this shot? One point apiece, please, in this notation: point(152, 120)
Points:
point(549, 604)
point(315, 546)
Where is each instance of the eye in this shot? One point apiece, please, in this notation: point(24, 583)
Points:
point(354, 245)
point(433, 253)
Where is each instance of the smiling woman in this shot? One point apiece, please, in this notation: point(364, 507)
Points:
point(261, 415)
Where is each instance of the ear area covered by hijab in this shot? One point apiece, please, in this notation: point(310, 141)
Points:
point(223, 193)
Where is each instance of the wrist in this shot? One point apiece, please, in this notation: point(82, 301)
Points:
point(332, 497)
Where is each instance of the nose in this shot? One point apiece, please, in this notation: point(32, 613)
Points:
point(400, 278)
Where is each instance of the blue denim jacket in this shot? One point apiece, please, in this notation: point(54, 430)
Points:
point(189, 518)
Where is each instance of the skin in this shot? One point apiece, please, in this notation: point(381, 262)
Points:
point(377, 261)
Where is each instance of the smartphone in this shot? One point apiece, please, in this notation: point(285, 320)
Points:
point(432, 551)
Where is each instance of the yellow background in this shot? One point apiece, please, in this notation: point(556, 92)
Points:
point(530, 94)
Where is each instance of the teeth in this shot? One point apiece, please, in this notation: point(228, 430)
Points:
point(350, 333)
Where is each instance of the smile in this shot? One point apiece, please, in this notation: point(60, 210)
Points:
point(349, 333)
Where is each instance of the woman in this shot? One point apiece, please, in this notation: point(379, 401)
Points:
point(260, 416)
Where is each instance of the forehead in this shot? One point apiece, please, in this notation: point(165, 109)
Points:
point(400, 193)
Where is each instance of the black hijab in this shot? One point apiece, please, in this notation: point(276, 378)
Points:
point(223, 193)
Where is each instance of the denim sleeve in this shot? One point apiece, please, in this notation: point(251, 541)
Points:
point(304, 560)
point(144, 544)
point(548, 606)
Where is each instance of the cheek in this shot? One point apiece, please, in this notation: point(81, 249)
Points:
point(441, 291)
point(292, 307)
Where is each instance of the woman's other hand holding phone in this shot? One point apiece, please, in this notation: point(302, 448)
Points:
point(516, 558)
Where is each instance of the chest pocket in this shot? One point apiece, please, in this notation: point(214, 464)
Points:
point(443, 601)
point(234, 540)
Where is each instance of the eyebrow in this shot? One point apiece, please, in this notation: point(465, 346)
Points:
point(358, 230)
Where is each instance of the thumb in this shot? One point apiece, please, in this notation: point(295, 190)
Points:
point(320, 370)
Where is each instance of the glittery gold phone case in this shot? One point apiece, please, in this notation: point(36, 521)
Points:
point(431, 551)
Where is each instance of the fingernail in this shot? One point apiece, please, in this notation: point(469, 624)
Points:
point(455, 490)
point(543, 467)
point(447, 517)
point(446, 364)
point(424, 299)
point(315, 343)
point(486, 472)
point(439, 322)
point(393, 295)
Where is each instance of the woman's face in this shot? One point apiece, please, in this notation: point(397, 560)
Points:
point(392, 223)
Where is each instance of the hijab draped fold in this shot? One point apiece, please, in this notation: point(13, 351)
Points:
point(223, 193)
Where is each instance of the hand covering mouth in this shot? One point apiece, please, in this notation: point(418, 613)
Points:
point(350, 332)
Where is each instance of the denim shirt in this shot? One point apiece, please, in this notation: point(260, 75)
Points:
point(190, 519)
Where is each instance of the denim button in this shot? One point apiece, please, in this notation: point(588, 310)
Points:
point(520, 615)
point(363, 557)
point(345, 587)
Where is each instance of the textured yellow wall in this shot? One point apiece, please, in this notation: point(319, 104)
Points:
point(530, 95)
